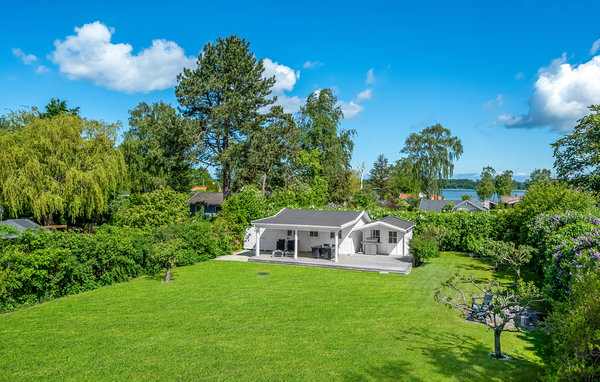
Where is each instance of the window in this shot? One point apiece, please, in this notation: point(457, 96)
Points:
point(290, 233)
point(375, 234)
point(393, 237)
point(313, 234)
point(332, 235)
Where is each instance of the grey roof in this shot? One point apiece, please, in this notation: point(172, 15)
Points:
point(435, 205)
point(320, 218)
point(475, 203)
point(397, 222)
point(208, 198)
point(20, 224)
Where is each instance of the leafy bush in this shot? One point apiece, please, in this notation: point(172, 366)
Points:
point(423, 247)
point(159, 208)
point(241, 209)
point(573, 350)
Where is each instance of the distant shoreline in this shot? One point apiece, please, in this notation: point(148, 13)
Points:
point(469, 189)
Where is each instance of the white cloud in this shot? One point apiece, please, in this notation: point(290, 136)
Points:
point(90, 56)
point(595, 47)
point(26, 58)
point(285, 77)
point(521, 174)
point(370, 77)
point(496, 102)
point(562, 95)
point(312, 64)
point(365, 95)
point(42, 69)
point(350, 109)
point(285, 80)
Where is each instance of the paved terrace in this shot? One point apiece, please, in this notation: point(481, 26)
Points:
point(356, 262)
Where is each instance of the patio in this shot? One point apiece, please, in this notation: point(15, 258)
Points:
point(355, 262)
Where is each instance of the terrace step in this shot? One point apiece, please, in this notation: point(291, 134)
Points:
point(332, 266)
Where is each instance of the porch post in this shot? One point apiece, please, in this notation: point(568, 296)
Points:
point(337, 249)
point(257, 241)
point(295, 244)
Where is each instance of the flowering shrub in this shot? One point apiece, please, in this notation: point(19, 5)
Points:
point(574, 254)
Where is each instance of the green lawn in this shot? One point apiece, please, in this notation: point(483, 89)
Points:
point(223, 320)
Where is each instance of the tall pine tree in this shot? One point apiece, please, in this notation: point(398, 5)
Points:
point(224, 95)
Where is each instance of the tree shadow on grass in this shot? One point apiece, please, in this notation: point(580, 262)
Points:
point(466, 357)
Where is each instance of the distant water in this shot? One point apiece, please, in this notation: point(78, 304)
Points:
point(457, 194)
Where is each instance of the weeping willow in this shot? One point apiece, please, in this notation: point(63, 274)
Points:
point(64, 165)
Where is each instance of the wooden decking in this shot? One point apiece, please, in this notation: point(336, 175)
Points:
point(356, 262)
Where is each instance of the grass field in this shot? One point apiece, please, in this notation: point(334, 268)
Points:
point(224, 320)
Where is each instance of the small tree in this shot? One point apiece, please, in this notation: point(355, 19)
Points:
point(500, 308)
point(518, 256)
point(167, 253)
point(437, 232)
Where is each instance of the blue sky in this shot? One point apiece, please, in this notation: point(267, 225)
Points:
point(507, 77)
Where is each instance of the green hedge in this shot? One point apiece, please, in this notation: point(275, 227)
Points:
point(39, 265)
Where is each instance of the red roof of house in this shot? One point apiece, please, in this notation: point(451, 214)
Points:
point(200, 188)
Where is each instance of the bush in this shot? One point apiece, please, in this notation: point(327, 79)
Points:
point(573, 350)
point(241, 209)
point(423, 247)
point(159, 208)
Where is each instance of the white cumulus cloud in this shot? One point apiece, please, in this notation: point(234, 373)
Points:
point(370, 77)
point(26, 58)
point(42, 69)
point(89, 55)
point(496, 102)
point(562, 95)
point(285, 80)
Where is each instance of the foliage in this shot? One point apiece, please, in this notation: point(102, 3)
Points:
point(465, 196)
point(486, 187)
point(504, 183)
point(158, 148)
point(62, 165)
point(404, 177)
point(577, 155)
point(158, 208)
point(167, 253)
point(422, 248)
point(544, 197)
point(538, 176)
point(241, 209)
point(380, 177)
point(573, 350)
point(437, 232)
point(503, 307)
point(319, 120)
point(365, 199)
point(432, 151)
point(224, 94)
point(266, 158)
point(55, 107)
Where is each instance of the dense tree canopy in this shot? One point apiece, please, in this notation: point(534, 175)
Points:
point(158, 148)
point(486, 187)
point(577, 155)
point(266, 158)
point(61, 165)
point(433, 152)
point(319, 124)
point(380, 177)
point(504, 183)
point(224, 94)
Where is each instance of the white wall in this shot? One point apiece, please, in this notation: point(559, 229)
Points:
point(400, 248)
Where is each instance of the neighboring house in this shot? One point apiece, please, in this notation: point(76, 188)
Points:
point(210, 202)
point(420, 195)
point(348, 231)
point(506, 201)
point(459, 205)
point(199, 188)
point(19, 224)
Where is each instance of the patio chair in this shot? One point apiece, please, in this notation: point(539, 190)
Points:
point(290, 248)
point(279, 248)
point(316, 252)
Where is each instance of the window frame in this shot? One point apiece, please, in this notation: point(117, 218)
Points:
point(393, 237)
point(313, 233)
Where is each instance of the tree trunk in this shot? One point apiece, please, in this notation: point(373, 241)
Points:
point(226, 166)
point(518, 272)
point(264, 182)
point(168, 275)
point(497, 350)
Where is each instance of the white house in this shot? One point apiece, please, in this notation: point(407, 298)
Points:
point(346, 232)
